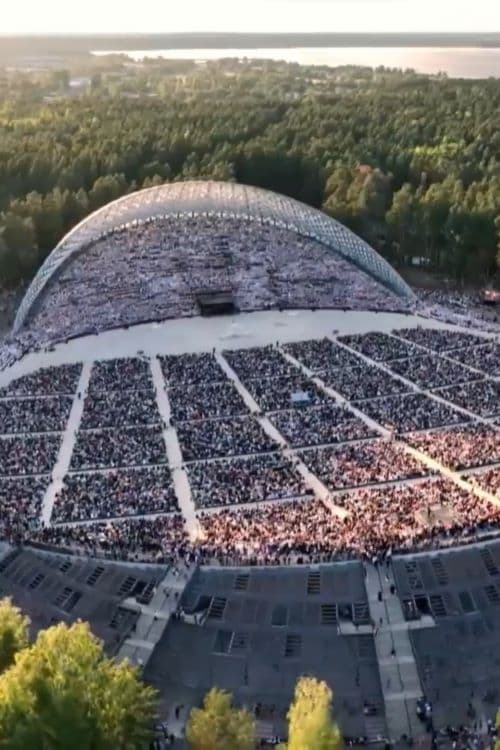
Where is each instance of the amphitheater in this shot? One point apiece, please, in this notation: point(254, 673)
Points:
point(235, 441)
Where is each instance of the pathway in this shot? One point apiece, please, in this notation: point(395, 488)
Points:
point(310, 480)
point(399, 677)
point(154, 617)
point(68, 443)
point(174, 454)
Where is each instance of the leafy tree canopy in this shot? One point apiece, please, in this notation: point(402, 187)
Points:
point(219, 726)
point(63, 692)
point(310, 724)
point(14, 630)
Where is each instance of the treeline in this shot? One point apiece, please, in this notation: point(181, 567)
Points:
point(410, 163)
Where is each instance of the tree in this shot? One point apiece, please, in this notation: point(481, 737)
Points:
point(310, 725)
point(14, 628)
point(18, 249)
point(64, 692)
point(219, 726)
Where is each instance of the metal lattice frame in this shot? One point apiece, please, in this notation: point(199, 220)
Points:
point(223, 199)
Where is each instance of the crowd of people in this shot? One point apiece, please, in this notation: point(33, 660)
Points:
point(462, 447)
point(363, 382)
point(20, 504)
point(118, 466)
point(153, 270)
point(27, 454)
point(162, 539)
point(397, 518)
point(488, 480)
point(430, 371)
point(439, 339)
point(258, 479)
point(222, 438)
point(322, 354)
point(119, 409)
point(481, 397)
point(191, 369)
point(379, 346)
point(368, 462)
point(285, 392)
point(110, 494)
point(414, 411)
point(110, 448)
point(214, 400)
point(28, 415)
point(126, 373)
point(485, 358)
point(321, 425)
point(396, 515)
point(47, 381)
point(259, 363)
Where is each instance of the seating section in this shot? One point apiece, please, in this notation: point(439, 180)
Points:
point(53, 587)
point(259, 630)
point(457, 654)
point(267, 435)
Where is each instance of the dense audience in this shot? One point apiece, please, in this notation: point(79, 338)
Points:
point(320, 426)
point(245, 480)
point(399, 515)
point(111, 494)
point(439, 339)
point(289, 532)
point(46, 381)
point(259, 363)
point(160, 539)
point(460, 447)
point(25, 415)
point(222, 438)
point(21, 503)
point(118, 466)
point(483, 358)
point(191, 369)
point(295, 391)
point(321, 354)
point(379, 346)
point(129, 446)
point(488, 480)
point(430, 371)
point(152, 271)
point(28, 455)
point(129, 373)
point(414, 411)
point(357, 464)
point(213, 400)
point(481, 397)
point(359, 383)
point(119, 409)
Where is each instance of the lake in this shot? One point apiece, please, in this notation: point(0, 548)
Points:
point(467, 62)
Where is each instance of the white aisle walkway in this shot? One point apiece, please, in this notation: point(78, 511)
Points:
point(174, 454)
point(310, 480)
point(68, 443)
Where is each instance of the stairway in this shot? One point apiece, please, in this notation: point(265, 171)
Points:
point(398, 671)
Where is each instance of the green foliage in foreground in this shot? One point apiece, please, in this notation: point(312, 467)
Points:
point(14, 630)
point(219, 726)
point(63, 692)
point(310, 725)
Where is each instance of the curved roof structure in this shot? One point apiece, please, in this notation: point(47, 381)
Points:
point(224, 199)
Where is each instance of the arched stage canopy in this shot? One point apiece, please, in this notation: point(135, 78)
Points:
point(224, 199)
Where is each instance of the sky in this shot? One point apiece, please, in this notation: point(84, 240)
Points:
point(43, 16)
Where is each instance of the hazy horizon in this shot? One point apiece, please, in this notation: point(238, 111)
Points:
point(260, 16)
